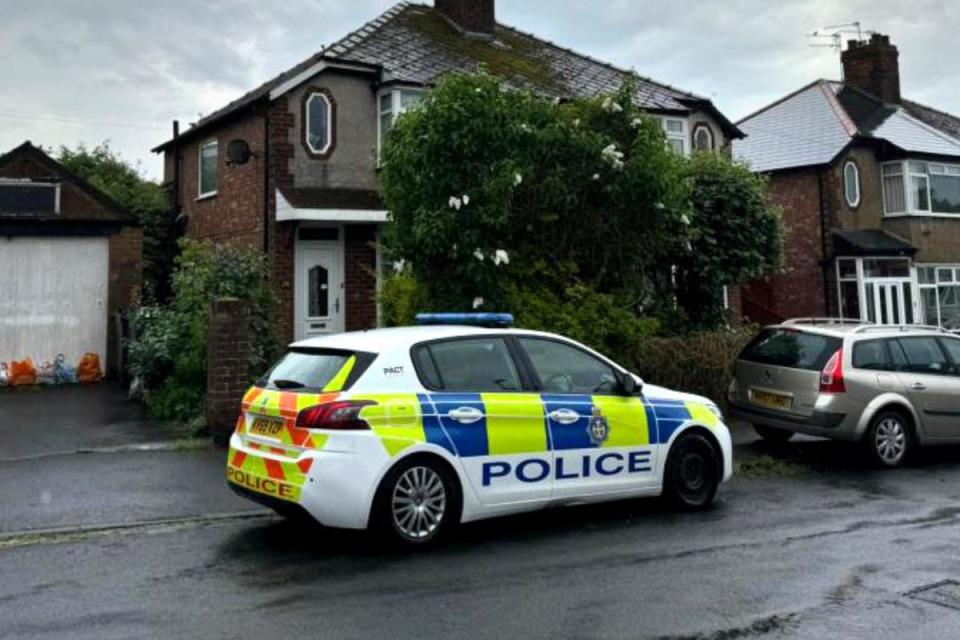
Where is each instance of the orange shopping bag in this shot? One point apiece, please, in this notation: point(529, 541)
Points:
point(89, 368)
point(23, 372)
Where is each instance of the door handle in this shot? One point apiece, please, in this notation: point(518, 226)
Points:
point(466, 415)
point(564, 416)
point(918, 386)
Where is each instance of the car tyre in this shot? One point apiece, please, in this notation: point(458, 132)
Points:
point(417, 504)
point(889, 440)
point(692, 474)
point(772, 434)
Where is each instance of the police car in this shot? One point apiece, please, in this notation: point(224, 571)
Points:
point(410, 431)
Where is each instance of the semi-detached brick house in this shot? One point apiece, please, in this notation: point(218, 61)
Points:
point(869, 183)
point(308, 193)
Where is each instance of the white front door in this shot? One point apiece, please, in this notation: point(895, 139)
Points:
point(889, 302)
point(319, 289)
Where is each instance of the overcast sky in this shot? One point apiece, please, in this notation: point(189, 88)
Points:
point(120, 70)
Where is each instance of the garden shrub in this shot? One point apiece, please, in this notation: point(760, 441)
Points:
point(168, 353)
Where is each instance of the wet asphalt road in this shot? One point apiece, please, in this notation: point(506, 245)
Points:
point(806, 543)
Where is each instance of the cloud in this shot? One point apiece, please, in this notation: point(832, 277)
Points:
point(124, 69)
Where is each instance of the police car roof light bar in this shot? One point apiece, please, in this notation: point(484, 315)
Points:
point(500, 320)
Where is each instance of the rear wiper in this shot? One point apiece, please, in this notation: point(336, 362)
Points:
point(287, 384)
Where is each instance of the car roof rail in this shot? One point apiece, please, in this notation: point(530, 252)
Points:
point(901, 327)
point(843, 321)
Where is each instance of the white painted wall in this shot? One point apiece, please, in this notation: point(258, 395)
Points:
point(53, 298)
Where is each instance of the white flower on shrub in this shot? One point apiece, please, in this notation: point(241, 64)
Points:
point(501, 257)
point(596, 176)
point(685, 219)
point(613, 156)
point(659, 206)
point(611, 106)
point(455, 203)
point(399, 265)
point(477, 302)
point(517, 179)
point(478, 255)
point(636, 122)
point(576, 122)
point(525, 128)
point(466, 200)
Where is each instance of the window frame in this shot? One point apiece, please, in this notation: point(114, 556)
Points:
point(311, 94)
point(201, 194)
point(396, 110)
point(682, 136)
point(512, 349)
point(855, 203)
point(697, 128)
point(906, 173)
point(16, 182)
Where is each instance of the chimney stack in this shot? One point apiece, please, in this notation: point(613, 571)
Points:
point(874, 67)
point(475, 17)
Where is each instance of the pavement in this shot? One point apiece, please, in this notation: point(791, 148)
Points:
point(134, 539)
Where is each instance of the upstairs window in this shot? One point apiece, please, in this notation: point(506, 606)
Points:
point(851, 184)
point(318, 116)
point(208, 169)
point(920, 187)
point(392, 104)
point(25, 197)
point(703, 138)
point(676, 130)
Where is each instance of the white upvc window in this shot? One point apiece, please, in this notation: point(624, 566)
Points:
point(676, 130)
point(851, 184)
point(921, 188)
point(392, 103)
point(207, 173)
point(318, 116)
point(940, 294)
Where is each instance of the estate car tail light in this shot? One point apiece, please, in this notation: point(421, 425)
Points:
point(831, 378)
point(341, 415)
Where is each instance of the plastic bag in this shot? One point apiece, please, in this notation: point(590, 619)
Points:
point(4, 374)
point(89, 368)
point(46, 373)
point(23, 372)
point(64, 373)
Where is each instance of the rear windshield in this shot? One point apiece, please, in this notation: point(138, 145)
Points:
point(315, 370)
point(791, 348)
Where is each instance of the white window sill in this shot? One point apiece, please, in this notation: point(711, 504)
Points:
point(923, 214)
point(206, 196)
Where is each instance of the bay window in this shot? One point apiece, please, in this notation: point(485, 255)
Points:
point(921, 187)
point(392, 103)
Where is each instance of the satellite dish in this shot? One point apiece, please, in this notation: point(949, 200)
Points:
point(238, 152)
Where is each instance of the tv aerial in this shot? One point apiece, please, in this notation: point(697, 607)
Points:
point(831, 37)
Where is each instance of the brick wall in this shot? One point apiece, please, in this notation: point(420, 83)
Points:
point(360, 281)
point(228, 365)
point(798, 290)
point(282, 235)
point(123, 288)
point(235, 213)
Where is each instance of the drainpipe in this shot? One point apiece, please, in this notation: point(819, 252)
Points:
point(176, 168)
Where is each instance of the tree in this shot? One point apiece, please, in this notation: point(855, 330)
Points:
point(735, 235)
point(572, 215)
point(106, 170)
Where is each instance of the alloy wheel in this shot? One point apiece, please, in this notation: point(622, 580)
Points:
point(890, 440)
point(419, 502)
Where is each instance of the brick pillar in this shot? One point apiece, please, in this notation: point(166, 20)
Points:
point(228, 365)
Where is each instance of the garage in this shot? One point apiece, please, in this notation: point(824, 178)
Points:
point(53, 298)
point(71, 260)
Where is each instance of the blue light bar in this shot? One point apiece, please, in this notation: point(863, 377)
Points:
point(472, 319)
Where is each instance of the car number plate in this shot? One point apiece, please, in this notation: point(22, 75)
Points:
point(771, 400)
point(266, 427)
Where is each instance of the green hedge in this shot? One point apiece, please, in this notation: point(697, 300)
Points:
point(699, 363)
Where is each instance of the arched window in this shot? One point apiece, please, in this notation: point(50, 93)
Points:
point(318, 119)
point(703, 138)
point(851, 184)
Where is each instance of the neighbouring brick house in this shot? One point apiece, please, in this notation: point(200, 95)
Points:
point(71, 259)
point(307, 195)
point(869, 183)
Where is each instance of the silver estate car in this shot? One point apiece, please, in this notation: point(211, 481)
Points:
point(890, 387)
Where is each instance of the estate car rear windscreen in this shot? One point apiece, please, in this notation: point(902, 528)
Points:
point(791, 348)
point(317, 370)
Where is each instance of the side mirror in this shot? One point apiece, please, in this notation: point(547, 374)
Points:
point(628, 384)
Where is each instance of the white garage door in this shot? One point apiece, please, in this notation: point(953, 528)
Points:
point(53, 298)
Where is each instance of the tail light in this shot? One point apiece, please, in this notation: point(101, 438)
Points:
point(342, 415)
point(831, 378)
